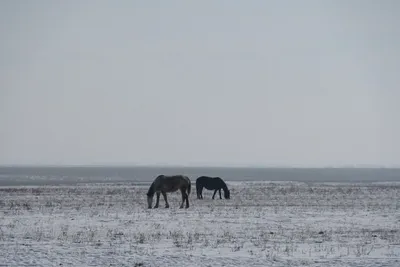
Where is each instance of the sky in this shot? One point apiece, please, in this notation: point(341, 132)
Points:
point(200, 83)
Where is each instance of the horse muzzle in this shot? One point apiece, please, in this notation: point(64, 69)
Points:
point(149, 202)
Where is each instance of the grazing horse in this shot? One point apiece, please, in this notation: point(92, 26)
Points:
point(211, 183)
point(165, 184)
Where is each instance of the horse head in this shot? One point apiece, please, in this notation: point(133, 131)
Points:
point(227, 194)
point(149, 201)
point(150, 195)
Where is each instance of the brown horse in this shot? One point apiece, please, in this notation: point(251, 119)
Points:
point(165, 184)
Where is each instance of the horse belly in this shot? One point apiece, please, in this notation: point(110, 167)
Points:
point(169, 188)
point(209, 187)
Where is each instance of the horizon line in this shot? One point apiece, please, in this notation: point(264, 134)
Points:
point(132, 165)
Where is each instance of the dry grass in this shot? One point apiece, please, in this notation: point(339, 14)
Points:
point(270, 221)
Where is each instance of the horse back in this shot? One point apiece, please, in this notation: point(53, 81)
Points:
point(210, 182)
point(171, 183)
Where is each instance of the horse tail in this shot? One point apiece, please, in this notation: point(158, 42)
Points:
point(198, 185)
point(189, 187)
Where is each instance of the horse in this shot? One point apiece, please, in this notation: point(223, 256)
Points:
point(211, 183)
point(165, 184)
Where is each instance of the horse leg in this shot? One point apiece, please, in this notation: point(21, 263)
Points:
point(183, 197)
point(214, 193)
point(198, 190)
point(158, 200)
point(165, 198)
point(200, 193)
point(187, 200)
point(220, 197)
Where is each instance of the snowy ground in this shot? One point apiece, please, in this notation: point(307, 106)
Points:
point(264, 224)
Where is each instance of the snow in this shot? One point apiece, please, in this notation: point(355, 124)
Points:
point(264, 224)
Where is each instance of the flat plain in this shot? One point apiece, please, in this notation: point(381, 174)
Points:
point(263, 224)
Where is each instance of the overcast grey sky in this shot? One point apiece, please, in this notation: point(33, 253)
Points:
point(304, 83)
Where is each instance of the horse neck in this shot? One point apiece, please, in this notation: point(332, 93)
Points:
point(224, 187)
point(151, 191)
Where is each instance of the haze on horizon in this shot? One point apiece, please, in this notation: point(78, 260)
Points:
point(260, 83)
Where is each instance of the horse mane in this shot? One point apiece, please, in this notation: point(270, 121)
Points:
point(151, 191)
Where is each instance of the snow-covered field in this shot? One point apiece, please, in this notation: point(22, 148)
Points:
point(264, 224)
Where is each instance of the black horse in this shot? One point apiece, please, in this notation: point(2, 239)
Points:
point(211, 183)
